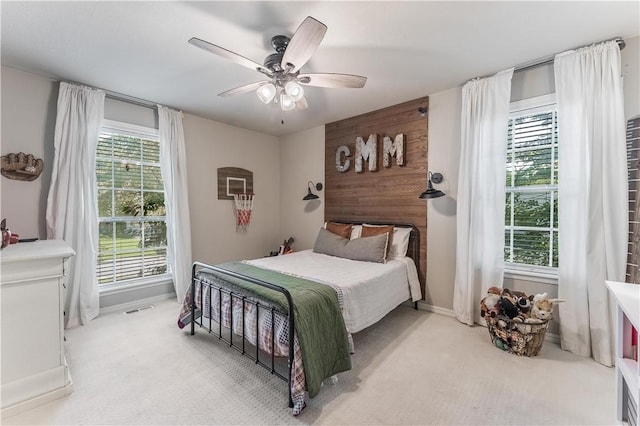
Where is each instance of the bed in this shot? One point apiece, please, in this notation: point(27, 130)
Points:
point(325, 294)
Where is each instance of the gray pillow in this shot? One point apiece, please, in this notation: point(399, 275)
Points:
point(368, 249)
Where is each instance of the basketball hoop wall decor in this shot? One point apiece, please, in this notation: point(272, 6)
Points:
point(243, 205)
point(234, 180)
point(236, 184)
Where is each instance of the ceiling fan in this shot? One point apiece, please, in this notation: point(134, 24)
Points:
point(282, 69)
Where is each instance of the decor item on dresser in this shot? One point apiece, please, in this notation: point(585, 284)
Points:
point(294, 314)
point(6, 234)
point(34, 370)
point(21, 166)
point(431, 192)
point(310, 195)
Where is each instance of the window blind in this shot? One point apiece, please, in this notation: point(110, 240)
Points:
point(531, 213)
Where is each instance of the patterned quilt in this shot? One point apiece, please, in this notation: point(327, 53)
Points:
point(321, 330)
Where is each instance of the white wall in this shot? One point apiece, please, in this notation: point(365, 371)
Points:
point(211, 145)
point(28, 122)
point(631, 77)
point(301, 161)
point(444, 154)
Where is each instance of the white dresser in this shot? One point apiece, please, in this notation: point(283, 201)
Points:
point(34, 370)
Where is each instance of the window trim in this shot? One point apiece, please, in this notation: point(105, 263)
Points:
point(136, 130)
point(532, 105)
point(547, 274)
point(136, 283)
point(143, 132)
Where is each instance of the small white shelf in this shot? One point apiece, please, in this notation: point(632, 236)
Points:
point(629, 370)
point(627, 298)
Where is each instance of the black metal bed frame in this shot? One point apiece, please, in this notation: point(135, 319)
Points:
point(413, 252)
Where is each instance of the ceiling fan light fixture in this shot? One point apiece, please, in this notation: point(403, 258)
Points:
point(294, 90)
point(284, 84)
point(266, 92)
point(286, 102)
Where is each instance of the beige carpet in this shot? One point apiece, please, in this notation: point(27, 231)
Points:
point(413, 367)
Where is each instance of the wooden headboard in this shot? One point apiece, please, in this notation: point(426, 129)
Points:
point(388, 195)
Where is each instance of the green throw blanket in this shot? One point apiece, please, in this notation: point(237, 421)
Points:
point(317, 318)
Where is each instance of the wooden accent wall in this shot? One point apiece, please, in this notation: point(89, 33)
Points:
point(633, 164)
point(388, 194)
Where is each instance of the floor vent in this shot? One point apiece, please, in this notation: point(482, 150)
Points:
point(133, 311)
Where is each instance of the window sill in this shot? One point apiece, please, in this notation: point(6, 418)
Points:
point(115, 288)
point(530, 275)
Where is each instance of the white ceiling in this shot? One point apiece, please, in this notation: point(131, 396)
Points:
point(406, 49)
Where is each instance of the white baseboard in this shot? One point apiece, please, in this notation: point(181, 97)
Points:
point(553, 338)
point(32, 391)
point(136, 303)
point(424, 306)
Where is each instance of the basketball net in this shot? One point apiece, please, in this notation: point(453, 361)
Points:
point(244, 204)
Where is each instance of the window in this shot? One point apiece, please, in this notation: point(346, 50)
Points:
point(531, 213)
point(132, 229)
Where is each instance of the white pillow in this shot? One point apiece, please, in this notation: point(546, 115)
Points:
point(399, 245)
point(356, 230)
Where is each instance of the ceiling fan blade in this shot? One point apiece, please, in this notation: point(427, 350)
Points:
point(304, 42)
point(243, 89)
point(229, 55)
point(333, 80)
point(302, 103)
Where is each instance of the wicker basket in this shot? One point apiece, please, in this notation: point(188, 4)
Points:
point(516, 337)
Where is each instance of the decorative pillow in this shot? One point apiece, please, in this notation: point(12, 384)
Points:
point(342, 229)
point(399, 244)
point(369, 231)
point(368, 249)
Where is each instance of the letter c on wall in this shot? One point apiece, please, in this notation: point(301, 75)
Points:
point(343, 167)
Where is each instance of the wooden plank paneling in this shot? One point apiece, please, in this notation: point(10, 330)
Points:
point(388, 194)
point(633, 157)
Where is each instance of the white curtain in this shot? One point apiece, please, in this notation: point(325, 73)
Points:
point(72, 213)
point(592, 194)
point(173, 165)
point(481, 193)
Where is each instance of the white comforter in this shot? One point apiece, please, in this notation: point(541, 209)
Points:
point(370, 290)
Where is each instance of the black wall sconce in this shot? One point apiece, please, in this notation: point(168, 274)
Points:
point(422, 111)
point(431, 192)
point(310, 195)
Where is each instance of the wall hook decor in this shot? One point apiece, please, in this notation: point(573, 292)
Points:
point(21, 166)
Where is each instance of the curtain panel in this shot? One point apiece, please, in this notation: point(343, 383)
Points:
point(481, 193)
point(173, 166)
point(72, 212)
point(592, 193)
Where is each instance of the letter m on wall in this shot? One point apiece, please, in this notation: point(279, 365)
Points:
point(367, 151)
point(391, 148)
